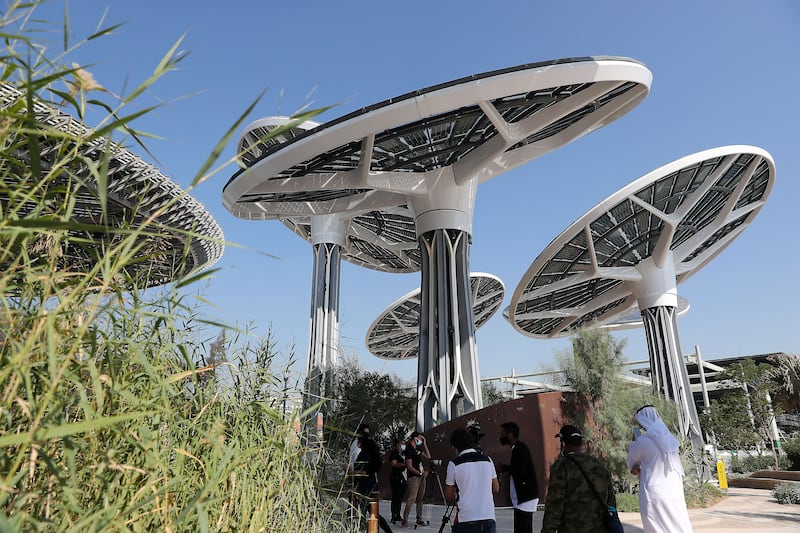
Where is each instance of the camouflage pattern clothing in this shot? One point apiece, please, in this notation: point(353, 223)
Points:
point(571, 506)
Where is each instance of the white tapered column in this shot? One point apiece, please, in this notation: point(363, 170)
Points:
point(657, 294)
point(448, 360)
point(328, 234)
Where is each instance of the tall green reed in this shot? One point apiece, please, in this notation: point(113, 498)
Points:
point(109, 418)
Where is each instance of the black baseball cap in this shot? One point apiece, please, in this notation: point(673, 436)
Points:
point(570, 434)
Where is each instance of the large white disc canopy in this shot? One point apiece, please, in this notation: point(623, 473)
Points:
point(674, 219)
point(475, 127)
point(381, 239)
point(180, 236)
point(635, 247)
point(429, 149)
point(394, 334)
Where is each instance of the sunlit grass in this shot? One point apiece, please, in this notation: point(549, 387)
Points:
point(114, 414)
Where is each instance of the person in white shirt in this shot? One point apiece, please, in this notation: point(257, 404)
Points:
point(471, 481)
point(355, 449)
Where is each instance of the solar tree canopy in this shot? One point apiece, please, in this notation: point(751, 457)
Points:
point(429, 150)
point(180, 236)
point(477, 126)
point(383, 239)
point(630, 320)
point(395, 333)
point(639, 243)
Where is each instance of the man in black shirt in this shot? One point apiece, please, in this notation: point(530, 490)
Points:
point(366, 468)
point(524, 485)
point(397, 479)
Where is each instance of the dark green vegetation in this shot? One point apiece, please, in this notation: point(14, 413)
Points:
point(792, 450)
point(385, 402)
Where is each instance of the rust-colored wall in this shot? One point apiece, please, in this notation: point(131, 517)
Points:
point(539, 417)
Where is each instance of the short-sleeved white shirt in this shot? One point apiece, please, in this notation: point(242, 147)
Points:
point(472, 473)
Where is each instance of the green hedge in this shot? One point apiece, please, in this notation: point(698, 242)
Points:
point(627, 503)
point(787, 493)
point(792, 450)
point(754, 463)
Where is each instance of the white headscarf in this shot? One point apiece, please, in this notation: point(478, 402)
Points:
point(663, 439)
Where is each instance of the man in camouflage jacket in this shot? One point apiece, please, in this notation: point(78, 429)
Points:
point(571, 505)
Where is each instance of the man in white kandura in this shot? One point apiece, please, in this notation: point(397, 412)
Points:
point(654, 457)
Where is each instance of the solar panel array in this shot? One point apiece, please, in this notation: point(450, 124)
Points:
point(182, 236)
point(395, 333)
point(585, 276)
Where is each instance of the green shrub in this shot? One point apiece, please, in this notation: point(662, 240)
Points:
point(754, 463)
point(792, 449)
point(787, 493)
point(735, 466)
point(627, 503)
point(701, 494)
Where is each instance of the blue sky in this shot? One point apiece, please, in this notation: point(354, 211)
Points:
point(724, 72)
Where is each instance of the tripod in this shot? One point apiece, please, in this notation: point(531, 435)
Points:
point(449, 507)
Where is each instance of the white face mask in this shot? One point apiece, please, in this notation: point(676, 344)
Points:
point(402, 447)
point(419, 442)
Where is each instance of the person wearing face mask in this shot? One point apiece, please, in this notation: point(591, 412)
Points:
point(416, 450)
point(524, 484)
point(654, 457)
point(355, 447)
point(397, 479)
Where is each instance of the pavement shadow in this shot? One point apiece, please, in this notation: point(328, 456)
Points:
point(791, 516)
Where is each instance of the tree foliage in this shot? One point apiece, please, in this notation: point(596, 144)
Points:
point(385, 402)
point(605, 403)
point(741, 418)
point(491, 394)
point(785, 376)
point(594, 365)
point(727, 420)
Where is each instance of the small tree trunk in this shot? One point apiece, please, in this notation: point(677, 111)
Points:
point(774, 452)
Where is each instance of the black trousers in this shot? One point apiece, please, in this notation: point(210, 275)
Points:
point(398, 486)
point(523, 521)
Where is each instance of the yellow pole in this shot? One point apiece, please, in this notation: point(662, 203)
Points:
point(723, 478)
point(372, 521)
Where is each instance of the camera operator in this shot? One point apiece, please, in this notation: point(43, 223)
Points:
point(416, 450)
point(473, 475)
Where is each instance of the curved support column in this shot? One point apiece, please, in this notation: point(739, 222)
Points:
point(448, 361)
point(668, 370)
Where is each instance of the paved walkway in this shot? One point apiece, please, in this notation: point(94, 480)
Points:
point(741, 510)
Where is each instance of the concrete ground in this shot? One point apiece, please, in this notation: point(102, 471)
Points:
point(741, 510)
